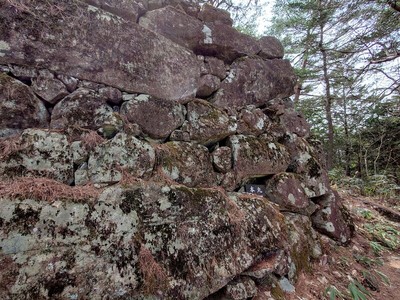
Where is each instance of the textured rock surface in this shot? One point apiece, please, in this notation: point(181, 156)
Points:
point(19, 107)
point(39, 153)
point(332, 218)
point(271, 47)
point(126, 232)
point(208, 124)
point(255, 81)
point(84, 109)
point(186, 163)
point(257, 157)
point(107, 159)
point(138, 189)
point(285, 189)
point(131, 64)
point(143, 109)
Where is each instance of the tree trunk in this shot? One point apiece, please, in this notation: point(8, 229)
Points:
point(347, 136)
point(328, 96)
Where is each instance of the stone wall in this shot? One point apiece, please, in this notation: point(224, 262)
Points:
point(128, 131)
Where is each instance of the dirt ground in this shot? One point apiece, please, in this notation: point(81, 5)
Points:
point(358, 270)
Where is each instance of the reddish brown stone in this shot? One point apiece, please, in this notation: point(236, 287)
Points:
point(253, 121)
point(285, 189)
point(208, 84)
point(19, 107)
point(271, 47)
point(215, 66)
point(222, 159)
point(294, 122)
point(255, 82)
point(209, 13)
point(83, 108)
point(156, 117)
point(333, 219)
point(49, 89)
point(110, 50)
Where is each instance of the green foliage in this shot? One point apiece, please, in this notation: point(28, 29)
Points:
point(383, 277)
point(367, 214)
point(357, 290)
point(385, 234)
point(367, 261)
point(376, 247)
point(333, 293)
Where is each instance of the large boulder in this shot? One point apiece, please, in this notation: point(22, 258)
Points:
point(255, 81)
point(148, 240)
point(332, 218)
point(19, 107)
point(186, 163)
point(38, 153)
point(213, 39)
point(156, 117)
point(110, 50)
point(208, 124)
point(130, 10)
point(257, 157)
point(271, 47)
point(108, 160)
point(285, 189)
point(49, 88)
point(84, 108)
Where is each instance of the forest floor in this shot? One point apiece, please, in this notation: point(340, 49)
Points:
point(367, 268)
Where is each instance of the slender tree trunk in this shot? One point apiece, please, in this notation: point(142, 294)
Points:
point(347, 136)
point(328, 96)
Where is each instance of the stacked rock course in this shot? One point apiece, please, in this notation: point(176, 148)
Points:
point(128, 130)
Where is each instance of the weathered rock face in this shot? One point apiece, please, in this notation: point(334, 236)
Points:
point(255, 81)
point(111, 50)
point(176, 254)
point(121, 152)
point(19, 107)
point(39, 153)
point(208, 124)
point(142, 109)
point(332, 218)
point(186, 163)
point(257, 157)
point(137, 189)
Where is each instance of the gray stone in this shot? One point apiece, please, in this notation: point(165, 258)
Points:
point(107, 160)
point(112, 50)
point(206, 123)
point(254, 82)
point(23, 73)
point(257, 157)
point(186, 163)
point(19, 107)
point(40, 153)
point(156, 117)
point(222, 159)
point(79, 153)
point(241, 289)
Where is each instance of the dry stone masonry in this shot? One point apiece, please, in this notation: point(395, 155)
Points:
point(128, 130)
